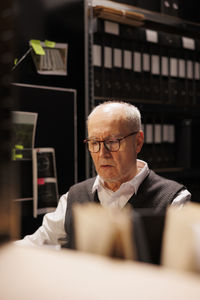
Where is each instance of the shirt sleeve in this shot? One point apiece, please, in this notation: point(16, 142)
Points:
point(51, 230)
point(182, 197)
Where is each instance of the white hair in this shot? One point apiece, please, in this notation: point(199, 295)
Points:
point(132, 113)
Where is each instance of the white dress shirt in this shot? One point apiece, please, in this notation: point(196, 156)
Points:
point(52, 228)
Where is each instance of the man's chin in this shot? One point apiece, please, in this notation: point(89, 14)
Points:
point(108, 178)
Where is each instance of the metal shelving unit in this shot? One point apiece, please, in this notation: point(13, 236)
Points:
point(172, 111)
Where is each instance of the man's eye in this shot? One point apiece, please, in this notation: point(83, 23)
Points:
point(93, 143)
point(112, 142)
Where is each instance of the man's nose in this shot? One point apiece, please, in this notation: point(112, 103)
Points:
point(103, 151)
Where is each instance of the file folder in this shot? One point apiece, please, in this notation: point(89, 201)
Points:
point(127, 75)
point(197, 72)
point(197, 82)
point(146, 66)
point(174, 55)
point(111, 60)
point(190, 81)
point(173, 80)
point(169, 145)
point(164, 78)
point(165, 43)
point(148, 144)
point(107, 71)
point(158, 157)
point(137, 80)
point(152, 39)
point(188, 45)
point(181, 81)
point(172, 144)
point(184, 141)
point(165, 141)
point(117, 68)
point(97, 67)
point(138, 41)
point(155, 77)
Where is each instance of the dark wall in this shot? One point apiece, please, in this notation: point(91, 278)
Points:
point(59, 21)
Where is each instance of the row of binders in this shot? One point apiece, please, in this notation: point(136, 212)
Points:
point(138, 63)
point(159, 148)
point(168, 140)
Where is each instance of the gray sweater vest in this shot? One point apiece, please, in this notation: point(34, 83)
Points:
point(155, 192)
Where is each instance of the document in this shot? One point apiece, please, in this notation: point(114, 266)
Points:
point(45, 188)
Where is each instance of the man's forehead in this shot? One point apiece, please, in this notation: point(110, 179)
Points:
point(107, 129)
point(106, 123)
point(111, 109)
point(114, 116)
point(103, 130)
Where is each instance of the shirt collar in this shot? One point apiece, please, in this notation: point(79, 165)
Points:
point(135, 182)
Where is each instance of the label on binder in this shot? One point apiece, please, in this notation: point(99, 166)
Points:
point(151, 36)
point(111, 27)
point(188, 43)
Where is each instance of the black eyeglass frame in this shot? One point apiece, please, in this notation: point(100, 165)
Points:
point(104, 142)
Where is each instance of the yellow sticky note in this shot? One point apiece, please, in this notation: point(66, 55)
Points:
point(49, 44)
point(37, 47)
point(20, 147)
point(18, 156)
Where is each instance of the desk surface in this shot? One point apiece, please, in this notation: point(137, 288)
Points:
point(39, 273)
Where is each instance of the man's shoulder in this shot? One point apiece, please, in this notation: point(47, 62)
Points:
point(81, 192)
point(157, 191)
point(88, 183)
point(154, 177)
point(157, 183)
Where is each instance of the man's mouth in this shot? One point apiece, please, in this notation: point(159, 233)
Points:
point(106, 166)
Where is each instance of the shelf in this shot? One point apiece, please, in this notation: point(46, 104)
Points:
point(155, 20)
point(156, 106)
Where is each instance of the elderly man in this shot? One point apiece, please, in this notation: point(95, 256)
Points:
point(114, 140)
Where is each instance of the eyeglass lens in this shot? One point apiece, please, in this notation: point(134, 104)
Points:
point(110, 145)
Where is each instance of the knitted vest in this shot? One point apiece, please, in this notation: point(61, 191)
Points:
point(154, 192)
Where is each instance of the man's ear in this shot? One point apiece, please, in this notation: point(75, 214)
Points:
point(139, 141)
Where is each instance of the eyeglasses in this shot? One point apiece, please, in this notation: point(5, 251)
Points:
point(112, 145)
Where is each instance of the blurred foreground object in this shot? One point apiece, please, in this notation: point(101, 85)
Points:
point(103, 231)
point(8, 219)
point(179, 244)
point(38, 273)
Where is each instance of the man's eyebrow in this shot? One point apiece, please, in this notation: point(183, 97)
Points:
point(112, 136)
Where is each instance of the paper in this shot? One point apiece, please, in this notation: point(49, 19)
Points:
point(24, 126)
point(113, 227)
point(53, 61)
